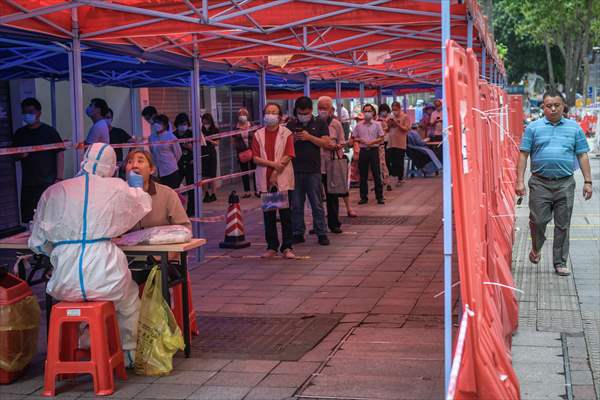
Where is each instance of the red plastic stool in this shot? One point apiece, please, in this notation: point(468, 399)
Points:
point(178, 307)
point(63, 356)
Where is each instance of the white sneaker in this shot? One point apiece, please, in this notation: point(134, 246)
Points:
point(287, 253)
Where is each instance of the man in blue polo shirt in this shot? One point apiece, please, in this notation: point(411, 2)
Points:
point(553, 142)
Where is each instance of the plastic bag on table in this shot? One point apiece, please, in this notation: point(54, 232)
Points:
point(159, 337)
point(166, 234)
point(19, 328)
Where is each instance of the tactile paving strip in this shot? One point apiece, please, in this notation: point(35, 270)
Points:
point(559, 321)
point(549, 301)
point(284, 338)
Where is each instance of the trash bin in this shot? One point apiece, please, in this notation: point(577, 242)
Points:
point(19, 327)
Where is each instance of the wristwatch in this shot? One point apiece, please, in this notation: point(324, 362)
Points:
point(587, 182)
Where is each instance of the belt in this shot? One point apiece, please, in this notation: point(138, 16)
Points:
point(542, 177)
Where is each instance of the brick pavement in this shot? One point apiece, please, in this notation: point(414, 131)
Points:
point(556, 351)
point(382, 279)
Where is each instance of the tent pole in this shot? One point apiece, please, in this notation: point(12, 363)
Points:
point(469, 32)
point(361, 90)
point(338, 99)
point(76, 88)
point(483, 60)
point(132, 111)
point(196, 131)
point(53, 101)
point(262, 92)
point(447, 195)
point(405, 102)
point(307, 85)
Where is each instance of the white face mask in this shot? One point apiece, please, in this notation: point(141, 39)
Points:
point(182, 128)
point(242, 119)
point(157, 127)
point(303, 119)
point(323, 114)
point(383, 114)
point(368, 116)
point(396, 114)
point(271, 119)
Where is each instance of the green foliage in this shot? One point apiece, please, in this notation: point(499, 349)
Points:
point(522, 51)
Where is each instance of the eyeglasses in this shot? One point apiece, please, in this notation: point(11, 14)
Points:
point(551, 106)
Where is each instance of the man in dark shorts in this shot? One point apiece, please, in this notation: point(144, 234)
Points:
point(39, 169)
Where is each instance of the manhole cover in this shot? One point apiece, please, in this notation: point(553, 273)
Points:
point(283, 338)
point(383, 220)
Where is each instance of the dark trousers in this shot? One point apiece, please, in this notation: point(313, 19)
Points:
point(270, 218)
point(188, 172)
point(30, 196)
point(246, 178)
point(369, 158)
point(396, 162)
point(333, 206)
point(172, 180)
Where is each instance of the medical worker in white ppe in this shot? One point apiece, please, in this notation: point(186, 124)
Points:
point(73, 225)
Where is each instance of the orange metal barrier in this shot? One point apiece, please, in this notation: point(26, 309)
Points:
point(483, 137)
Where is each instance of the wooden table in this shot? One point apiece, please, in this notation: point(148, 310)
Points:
point(19, 243)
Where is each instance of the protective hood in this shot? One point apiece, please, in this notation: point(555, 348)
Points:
point(100, 159)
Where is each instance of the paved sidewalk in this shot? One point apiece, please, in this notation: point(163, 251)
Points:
point(381, 278)
point(556, 351)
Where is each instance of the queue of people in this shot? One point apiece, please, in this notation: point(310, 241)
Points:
point(381, 140)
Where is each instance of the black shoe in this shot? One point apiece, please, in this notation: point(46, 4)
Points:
point(336, 230)
point(311, 232)
point(213, 197)
point(389, 188)
point(298, 239)
point(206, 198)
point(256, 194)
point(380, 201)
point(323, 240)
point(363, 201)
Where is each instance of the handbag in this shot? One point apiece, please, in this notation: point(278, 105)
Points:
point(245, 156)
point(337, 174)
point(274, 200)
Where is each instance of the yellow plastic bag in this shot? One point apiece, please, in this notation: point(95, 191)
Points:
point(19, 328)
point(159, 337)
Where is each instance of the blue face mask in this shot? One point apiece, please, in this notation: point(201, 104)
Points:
point(89, 110)
point(29, 119)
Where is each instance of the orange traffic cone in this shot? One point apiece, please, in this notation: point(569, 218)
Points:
point(234, 231)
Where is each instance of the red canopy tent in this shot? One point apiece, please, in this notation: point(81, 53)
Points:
point(327, 39)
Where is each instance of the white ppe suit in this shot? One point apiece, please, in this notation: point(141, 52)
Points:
point(73, 224)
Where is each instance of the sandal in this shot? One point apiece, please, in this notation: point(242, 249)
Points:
point(533, 257)
point(352, 214)
point(561, 270)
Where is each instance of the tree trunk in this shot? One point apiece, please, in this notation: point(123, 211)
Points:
point(584, 78)
point(550, 66)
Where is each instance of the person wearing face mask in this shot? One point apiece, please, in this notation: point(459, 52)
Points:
point(99, 132)
point(398, 127)
point(117, 136)
point(166, 156)
point(369, 135)
point(186, 162)
point(273, 151)
point(39, 169)
point(384, 160)
point(209, 156)
point(310, 135)
point(243, 143)
point(74, 224)
point(337, 142)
